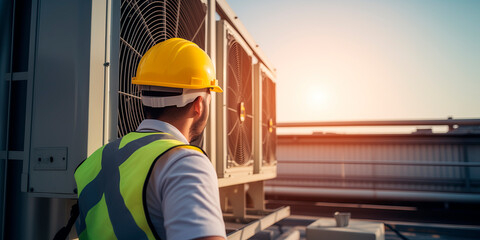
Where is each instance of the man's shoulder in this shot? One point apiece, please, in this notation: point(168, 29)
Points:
point(187, 154)
point(185, 158)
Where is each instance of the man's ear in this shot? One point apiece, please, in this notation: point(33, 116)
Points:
point(198, 106)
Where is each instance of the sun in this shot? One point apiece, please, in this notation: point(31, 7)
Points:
point(317, 99)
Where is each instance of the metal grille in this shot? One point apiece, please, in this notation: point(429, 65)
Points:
point(239, 105)
point(269, 121)
point(142, 25)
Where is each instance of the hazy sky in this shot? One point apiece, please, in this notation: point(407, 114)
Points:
point(369, 60)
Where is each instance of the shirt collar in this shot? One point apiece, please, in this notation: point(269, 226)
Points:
point(149, 125)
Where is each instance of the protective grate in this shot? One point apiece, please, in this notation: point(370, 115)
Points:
point(269, 121)
point(239, 92)
point(143, 24)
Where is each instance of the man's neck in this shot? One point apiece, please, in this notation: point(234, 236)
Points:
point(183, 125)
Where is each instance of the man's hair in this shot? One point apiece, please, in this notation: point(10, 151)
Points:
point(156, 113)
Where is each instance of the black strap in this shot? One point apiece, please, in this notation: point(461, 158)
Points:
point(396, 231)
point(62, 234)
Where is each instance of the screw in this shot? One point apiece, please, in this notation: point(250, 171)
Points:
point(31, 189)
point(51, 159)
point(39, 159)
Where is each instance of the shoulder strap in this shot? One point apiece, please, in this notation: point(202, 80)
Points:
point(62, 234)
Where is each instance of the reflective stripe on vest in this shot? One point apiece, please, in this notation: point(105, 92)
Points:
point(112, 186)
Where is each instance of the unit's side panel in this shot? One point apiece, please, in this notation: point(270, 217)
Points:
point(6, 15)
point(221, 149)
point(17, 79)
point(97, 74)
point(113, 70)
point(60, 109)
point(257, 148)
point(210, 136)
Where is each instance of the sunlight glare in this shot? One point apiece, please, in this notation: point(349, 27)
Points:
point(317, 99)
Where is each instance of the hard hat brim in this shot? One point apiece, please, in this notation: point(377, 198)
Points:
point(214, 88)
point(217, 89)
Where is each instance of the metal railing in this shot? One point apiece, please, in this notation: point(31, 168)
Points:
point(466, 180)
point(439, 122)
point(386, 175)
point(396, 163)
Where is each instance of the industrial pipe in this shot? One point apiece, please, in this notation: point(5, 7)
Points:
point(373, 194)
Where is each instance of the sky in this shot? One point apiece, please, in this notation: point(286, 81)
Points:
point(342, 60)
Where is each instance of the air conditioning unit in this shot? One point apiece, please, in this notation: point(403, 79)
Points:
point(142, 25)
point(82, 96)
point(235, 107)
point(70, 100)
point(266, 121)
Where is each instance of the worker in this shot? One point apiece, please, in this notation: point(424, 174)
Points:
point(152, 184)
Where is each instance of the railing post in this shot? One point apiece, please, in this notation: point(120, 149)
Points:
point(466, 168)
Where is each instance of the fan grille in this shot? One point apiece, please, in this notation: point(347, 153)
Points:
point(239, 105)
point(142, 25)
point(269, 121)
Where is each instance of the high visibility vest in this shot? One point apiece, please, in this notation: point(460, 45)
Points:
point(112, 186)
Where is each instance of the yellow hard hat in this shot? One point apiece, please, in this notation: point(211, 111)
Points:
point(177, 63)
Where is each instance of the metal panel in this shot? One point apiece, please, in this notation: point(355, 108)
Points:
point(6, 15)
point(406, 162)
point(71, 103)
point(60, 104)
point(210, 48)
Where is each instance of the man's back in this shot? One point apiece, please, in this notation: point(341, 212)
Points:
point(112, 201)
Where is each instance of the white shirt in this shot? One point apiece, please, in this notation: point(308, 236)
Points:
point(182, 193)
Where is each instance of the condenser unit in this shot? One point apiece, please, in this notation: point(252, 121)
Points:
point(235, 107)
point(266, 121)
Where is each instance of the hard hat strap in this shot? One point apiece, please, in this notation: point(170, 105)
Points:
point(188, 96)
